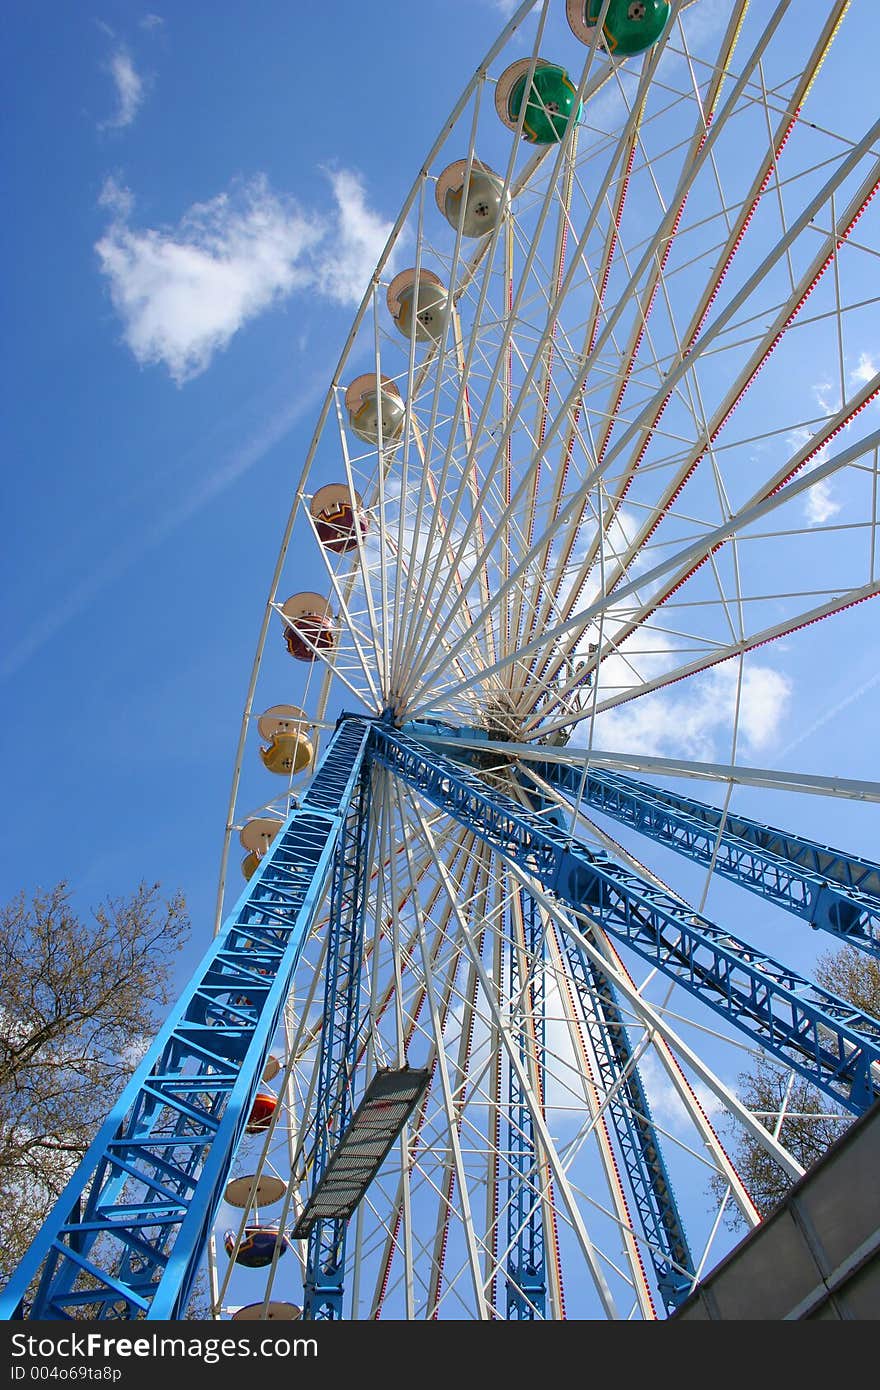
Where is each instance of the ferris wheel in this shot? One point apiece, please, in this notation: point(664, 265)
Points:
point(601, 444)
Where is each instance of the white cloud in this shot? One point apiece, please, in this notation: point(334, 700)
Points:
point(820, 505)
point(360, 239)
point(116, 198)
point(705, 21)
point(765, 696)
point(695, 719)
point(827, 397)
point(865, 370)
point(666, 1104)
point(183, 292)
point(129, 89)
point(152, 21)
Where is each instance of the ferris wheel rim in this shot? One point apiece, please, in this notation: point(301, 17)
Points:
point(330, 398)
point(861, 791)
point(656, 1022)
point(522, 11)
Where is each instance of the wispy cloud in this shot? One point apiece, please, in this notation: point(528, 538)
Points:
point(704, 22)
point(864, 371)
point(696, 720)
point(115, 561)
point(820, 505)
point(129, 89)
point(831, 713)
point(667, 1105)
point(360, 237)
point(183, 292)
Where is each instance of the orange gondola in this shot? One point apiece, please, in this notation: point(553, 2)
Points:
point(262, 1109)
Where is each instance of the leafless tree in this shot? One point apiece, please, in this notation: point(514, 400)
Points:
point(811, 1121)
point(80, 1001)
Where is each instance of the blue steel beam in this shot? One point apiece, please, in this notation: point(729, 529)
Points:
point(340, 1037)
point(127, 1234)
point(639, 1142)
point(833, 891)
point(526, 1278)
point(831, 1043)
point(638, 1139)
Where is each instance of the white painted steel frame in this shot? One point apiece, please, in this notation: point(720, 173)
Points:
point(450, 602)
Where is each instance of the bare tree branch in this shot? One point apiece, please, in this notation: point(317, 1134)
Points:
point(80, 1000)
point(811, 1121)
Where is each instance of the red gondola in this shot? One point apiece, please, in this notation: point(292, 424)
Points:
point(262, 1111)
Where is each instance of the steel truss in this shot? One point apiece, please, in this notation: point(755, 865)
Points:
point(831, 1043)
point(833, 891)
point(126, 1238)
point(340, 1041)
point(638, 1139)
point(526, 1275)
point(127, 1234)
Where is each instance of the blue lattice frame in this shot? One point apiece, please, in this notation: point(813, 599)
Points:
point(340, 1040)
point(176, 1128)
point(828, 1041)
point(526, 1276)
point(173, 1133)
point(833, 891)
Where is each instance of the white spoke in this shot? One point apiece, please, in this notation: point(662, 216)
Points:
point(621, 474)
point(536, 1117)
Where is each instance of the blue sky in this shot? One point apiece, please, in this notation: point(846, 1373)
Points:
point(199, 198)
point(155, 418)
point(155, 414)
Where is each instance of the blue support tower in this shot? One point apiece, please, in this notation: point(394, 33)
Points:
point(126, 1238)
point(127, 1234)
point(833, 891)
point(526, 1274)
point(831, 1043)
point(638, 1139)
point(340, 1041)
